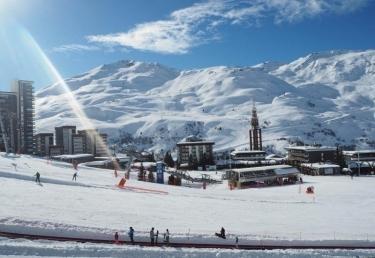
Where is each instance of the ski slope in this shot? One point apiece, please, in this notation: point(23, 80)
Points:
point(343, 209)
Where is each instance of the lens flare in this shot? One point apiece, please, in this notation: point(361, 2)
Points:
point(71, 100)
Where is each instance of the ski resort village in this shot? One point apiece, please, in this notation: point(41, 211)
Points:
point(76, 183)
point(159, 129)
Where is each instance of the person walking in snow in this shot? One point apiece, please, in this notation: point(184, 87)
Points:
point(222, 232)
point(156, 237)
point(152, 236)
point(166, 236)
point(116, 238)
point(131, 235)
point(37, 177)
point(74, 177)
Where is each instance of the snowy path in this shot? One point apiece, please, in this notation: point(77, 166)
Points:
point(196, 242)
point(26, 248)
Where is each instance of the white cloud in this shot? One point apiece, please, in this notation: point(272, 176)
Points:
point(75, 48)
point(188, 27)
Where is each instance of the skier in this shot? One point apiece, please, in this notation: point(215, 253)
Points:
point(37, 177)
point(131, 235)
point(221, 234)
point(152, 236)
point(166, 236)
point(74, 176)
point(116, 238)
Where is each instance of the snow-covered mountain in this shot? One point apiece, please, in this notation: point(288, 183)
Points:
point(326, 98)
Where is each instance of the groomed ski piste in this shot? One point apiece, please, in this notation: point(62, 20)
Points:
point(340, 215)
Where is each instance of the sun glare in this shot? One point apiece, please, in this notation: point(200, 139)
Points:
point(57, 78)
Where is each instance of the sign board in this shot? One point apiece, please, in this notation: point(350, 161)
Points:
point(160, 172)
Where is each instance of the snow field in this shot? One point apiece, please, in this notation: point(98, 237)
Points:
point(342, 212)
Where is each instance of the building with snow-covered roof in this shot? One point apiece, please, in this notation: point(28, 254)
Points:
point(248, 155)
point(311, 154)
point(266, 175)
point(70, 158)
point(360, 161)
point(195, 151)
point(359, 155)
point(55, 150)
point(361, 167)
point(316, 169)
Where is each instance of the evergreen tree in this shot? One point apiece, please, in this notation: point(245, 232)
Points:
point(151, 177)
point(166, 158)
point(141, 173)
point(170, 160)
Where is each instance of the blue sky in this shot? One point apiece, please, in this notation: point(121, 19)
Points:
point(78, 35)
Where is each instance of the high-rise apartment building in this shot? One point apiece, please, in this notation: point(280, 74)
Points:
point(78, 144)
point(64, 138)
point(17, 118)
point(8, 122)
point(43, 142)
point(94, 143)
point(25, 115)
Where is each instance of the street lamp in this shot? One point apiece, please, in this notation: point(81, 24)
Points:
point(359, 164)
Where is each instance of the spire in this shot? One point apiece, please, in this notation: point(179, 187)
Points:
point(254, 118)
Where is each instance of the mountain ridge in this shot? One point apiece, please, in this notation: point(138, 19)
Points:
point(311, 99)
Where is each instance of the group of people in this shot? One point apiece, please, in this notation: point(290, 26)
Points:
point(153, 236)
point(223, 236)
point(130, 234)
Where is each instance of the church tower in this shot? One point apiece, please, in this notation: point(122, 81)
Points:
point(255, 132)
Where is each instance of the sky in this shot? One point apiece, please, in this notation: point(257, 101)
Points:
point(78, 35)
